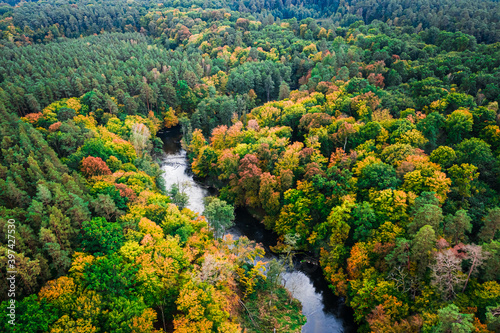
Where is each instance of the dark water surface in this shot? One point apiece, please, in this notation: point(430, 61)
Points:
point(325, 312)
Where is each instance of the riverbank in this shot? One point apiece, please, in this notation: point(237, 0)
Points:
point(325, 312)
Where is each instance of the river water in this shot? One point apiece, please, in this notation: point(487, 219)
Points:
point(325, 312)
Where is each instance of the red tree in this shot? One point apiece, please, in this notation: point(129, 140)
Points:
point(126, 191)
point(94, 166)
point(249, 179)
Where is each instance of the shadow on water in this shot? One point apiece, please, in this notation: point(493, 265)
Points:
point(171, 140)
point(325, 312)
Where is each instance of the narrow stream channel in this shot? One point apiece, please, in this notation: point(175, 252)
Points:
point(325, 312)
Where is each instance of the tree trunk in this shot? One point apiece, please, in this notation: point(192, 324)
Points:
point(163, 318)
point(470, 272)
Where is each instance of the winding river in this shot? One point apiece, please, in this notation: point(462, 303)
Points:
point(325, 312)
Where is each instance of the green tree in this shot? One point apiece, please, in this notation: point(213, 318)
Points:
point(458, 125)
point(452, 321)
point(493, 318)
point(422, 248)
point(427, 214)
point(31, 315)
point(105, 206)
point(284, 91)
point(186, 96)
point(461, 177)
point(365, 221)
point(110, 275)
point(425, 198)
point(400, 255)
point(274, 273)
point(477, 152)
point(379, 176)
point(443, 155)
point(490, 271)
point(203, 164)
point(491, 225)
point(220, 215)
point(101, 237)
point(431, 127)
point(482, 117)
point(457, 225)
point(179, 197)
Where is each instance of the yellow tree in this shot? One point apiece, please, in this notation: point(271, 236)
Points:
point(390, 205)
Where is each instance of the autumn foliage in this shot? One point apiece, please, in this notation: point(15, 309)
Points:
point(364, 134)
point(94, 166)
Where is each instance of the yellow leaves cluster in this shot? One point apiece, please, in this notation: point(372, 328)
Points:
point(268, 115)
point(184, 325)
point(78, 263)
point(358, 260)
point(88, 121)
point(74, 103)
point(414, 138)
point(218, 80)
point(55, 289)
point(66, 324)
point(68, 297)
point(197, 142)
point(422, 180)
point(170, 119)
point(391, 204)
point(337, 221)
point(360, 165)
point(334, 274)
point(152, 123)
point(115, 125)
point(387, 233)
point(436, 106)
point(202, 307)
point(131, 250)
point(250, 278)
point(382, 116)
point(147, 226)
point(227, 163)
point(290, 159)
point(142, 323)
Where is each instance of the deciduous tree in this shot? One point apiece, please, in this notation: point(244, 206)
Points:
point(220, 216)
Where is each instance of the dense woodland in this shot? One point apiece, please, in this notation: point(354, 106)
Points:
point(364, 133)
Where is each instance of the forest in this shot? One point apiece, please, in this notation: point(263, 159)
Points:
point(365, 134)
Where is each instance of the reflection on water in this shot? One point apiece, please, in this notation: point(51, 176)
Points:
point(318, 320)
point(325, 312)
